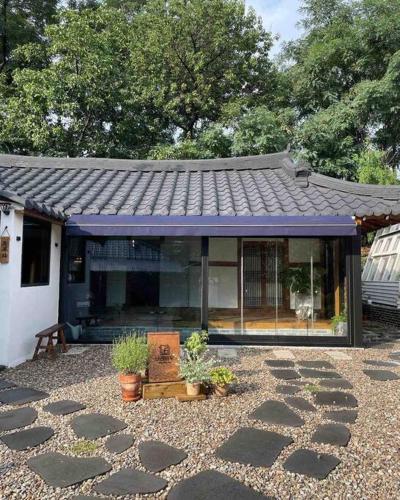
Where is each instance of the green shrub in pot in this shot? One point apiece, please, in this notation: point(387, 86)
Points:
point(221, 378)
point(195, 372)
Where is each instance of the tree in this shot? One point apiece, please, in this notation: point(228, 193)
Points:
point(192, 57)
point(83, 102)
point(373, 169)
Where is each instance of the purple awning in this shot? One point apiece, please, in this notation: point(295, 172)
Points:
point(143, 225)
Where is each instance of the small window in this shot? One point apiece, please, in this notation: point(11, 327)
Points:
point(387, 244)
point(35, 252)
point(76, 260)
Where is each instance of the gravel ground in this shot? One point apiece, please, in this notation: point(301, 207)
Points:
point(370, 464)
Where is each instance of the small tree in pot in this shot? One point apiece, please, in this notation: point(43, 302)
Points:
point(221, 378)
point(130, 355)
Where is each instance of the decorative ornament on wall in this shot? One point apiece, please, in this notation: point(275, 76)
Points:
point(5, 246)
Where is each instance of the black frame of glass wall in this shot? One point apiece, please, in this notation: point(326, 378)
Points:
point(352, 263)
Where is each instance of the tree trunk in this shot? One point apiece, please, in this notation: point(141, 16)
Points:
point(3, 36)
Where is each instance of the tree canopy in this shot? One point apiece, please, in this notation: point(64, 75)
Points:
point(196, 79)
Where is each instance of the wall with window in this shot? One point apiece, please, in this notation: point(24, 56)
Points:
point(29, 285)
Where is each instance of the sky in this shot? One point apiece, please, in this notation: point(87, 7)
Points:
point(279, 16)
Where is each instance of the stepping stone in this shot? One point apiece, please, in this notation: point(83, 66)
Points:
point(336, 384)
point(119, 443)
point(300, 404)
point(279, 363)
point(335, 398)
point(229, 353)
point(60, 471)
point(22, 440)
point(298, 382)
point(64, 407)
point(6, 384)
point(278, 413)
point(14, 419)
point(335, 434)
point(73, 351)
point(96, 425)
point(287, 389)
point(377, 362)
point(157, 456)
point(21, 395)
point(381, 375)
point(283, 354)
point(310, 373)
point(285, 374)
point(316, 364)
point(253, 446)
point(130, 482)
point(343, 416)
point(338, 355)
point(394, 356)
point(310, 463)
point(210, 484)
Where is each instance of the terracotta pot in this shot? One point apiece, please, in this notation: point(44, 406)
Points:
point(193, 389)
point(221, 390)
point(131, 386)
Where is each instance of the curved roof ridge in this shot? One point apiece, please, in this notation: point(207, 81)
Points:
point(388, 191)
point(268, 161)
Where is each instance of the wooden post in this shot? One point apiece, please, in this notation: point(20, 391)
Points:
point(336, 275)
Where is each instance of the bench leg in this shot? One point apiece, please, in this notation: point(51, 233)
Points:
point(50, 347)
point(61, 340)
point(37, 348)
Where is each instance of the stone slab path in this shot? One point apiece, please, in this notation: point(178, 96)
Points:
point(300, 404)
point(287, 389)
point(29, 438)
point(60, 471)
point(157, 456)
point(213, 485)
point(279, 363)
point(334, 434)
point(310, 463)
point(335, 398)
point(96, 425)
point(21, 395)
point(253, 446)
point(64, 407)
point(130, 482)
point(6, 384)
point(316, 364)
point(285, 374)
point(311, 373)
point(14, 419)
point(277, 413)
point(336, 384)
point(343, 416)
point(381, 375)
point(119, 443)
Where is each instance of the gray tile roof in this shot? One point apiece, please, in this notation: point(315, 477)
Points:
point(258, 185)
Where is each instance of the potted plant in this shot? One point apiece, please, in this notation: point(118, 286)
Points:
point(130, 355)
point(221, 377)
point(196, 345)
point(339, 324)
point(195, 372)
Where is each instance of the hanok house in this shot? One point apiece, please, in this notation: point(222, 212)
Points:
point(255, 250)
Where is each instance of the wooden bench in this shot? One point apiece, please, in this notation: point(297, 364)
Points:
point(55, 332)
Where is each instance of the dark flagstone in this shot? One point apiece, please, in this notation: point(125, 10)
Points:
point(310, 463)
point(311, 373)
point(130, 482)
point(378, 362)
point(13, 419)
point(213, 485)
point(60, 471)
point(298, 382)
point(343, 416)
point(285, 374)
point(96, 425)
point(29, 438)
point(276, 412)
point(300, 404)
point(336, 383)
point(287, 389)
point(6, 384)
point(395, 356)
point(381, 375)
point(157, 456)
point(279, 363)
point(316, 364)
point(21, 395)
point(253, 446)
point(119, 443)
point(335, 398)
point(335, 434)
point(64, 407)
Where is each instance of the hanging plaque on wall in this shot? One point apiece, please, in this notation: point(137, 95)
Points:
point(164, 356)
point(4, 249)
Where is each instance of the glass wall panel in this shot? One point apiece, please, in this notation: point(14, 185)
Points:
point(145, 283)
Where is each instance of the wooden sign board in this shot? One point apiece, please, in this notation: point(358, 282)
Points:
point(4, 249)
point(164, 356)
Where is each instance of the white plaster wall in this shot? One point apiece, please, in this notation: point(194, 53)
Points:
point(24, 311)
